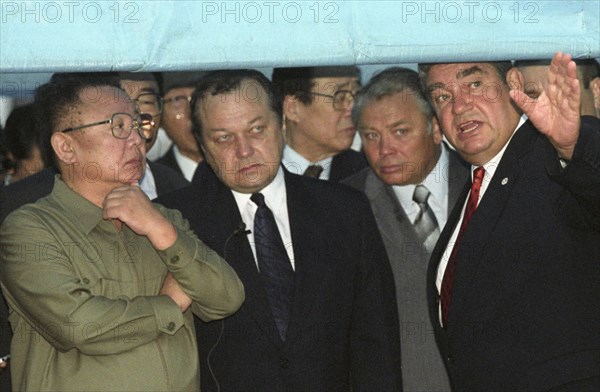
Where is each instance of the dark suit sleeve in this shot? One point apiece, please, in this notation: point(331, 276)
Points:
point(582, 176)
point(375, 336)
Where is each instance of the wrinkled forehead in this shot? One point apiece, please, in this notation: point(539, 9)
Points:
point(134, 88)
point(441, 75)
point(105, 96)
point(104, 101)
point(335, 83)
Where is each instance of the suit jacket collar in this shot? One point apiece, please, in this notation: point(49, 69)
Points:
point(388, 210)
point(482, 224)
point(345, 164)
point(221, 212)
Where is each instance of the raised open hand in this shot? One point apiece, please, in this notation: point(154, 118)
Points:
point(555, 112)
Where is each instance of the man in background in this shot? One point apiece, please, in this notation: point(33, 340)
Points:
point(184, 155)
point(588, 73)
point(412, 183)
point(317, 103)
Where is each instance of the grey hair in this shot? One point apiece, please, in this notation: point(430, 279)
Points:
point(392, 81)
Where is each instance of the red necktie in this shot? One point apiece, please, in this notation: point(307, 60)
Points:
point(448, 281)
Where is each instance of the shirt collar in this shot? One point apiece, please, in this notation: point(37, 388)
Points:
point(435, 182)
point(86, 215)
point(274, 193)
point(148, 184)
point(297, 164)
point(491, 166)
point(188, 166)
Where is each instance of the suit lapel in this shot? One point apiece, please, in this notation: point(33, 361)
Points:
point(480, 231)
point(219, 219)
point(458, 174)
point(310, 242)
point(391, 218)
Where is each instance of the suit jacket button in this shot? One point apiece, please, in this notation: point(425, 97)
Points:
point(171, 326)
point(450, 359)
point(284, 363)
point(174, 259)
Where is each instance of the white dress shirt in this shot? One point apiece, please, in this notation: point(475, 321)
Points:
point(276, 199)
point(188, 166)
point(297, 164)
point(490, 169)
point(160, 146)
point(147, 183)
point(437, 184)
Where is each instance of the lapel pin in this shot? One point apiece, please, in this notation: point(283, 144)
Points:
point(505, 181)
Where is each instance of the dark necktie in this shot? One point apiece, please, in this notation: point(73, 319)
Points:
point(448, 280)
point(313, 171)
point(425, 224)
point(274, 264)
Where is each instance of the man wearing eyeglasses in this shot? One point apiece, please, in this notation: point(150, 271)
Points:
point(102, 283)
point(143, 89)
point(184, 155)
point(158, 178)
point(317, 102)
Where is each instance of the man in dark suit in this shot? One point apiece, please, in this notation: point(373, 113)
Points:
point(317, 102)
point(331, 324)
point(517, 274)
point(184, 154)
point(402, 141)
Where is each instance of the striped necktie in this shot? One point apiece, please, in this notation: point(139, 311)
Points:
point(274, 264)
point(425, 224)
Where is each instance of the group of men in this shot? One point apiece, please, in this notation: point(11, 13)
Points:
point(473, 268)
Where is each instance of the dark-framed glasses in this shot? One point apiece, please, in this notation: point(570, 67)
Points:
point(149, 103)
point(121, 125)
point(179, 100)
point(341, 99)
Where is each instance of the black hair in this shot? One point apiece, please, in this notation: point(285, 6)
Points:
point(227, 81)
point(299, 81)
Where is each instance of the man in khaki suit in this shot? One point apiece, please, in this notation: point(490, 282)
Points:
point(101, 283)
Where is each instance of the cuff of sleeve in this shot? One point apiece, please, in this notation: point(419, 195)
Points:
point(181, 253)
point(169, 318)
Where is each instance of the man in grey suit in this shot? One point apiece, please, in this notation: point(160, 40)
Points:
point(412, 184)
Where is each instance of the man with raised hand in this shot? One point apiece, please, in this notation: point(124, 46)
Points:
point(513, 280)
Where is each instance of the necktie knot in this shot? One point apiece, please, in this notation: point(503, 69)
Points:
point(478, 175)
point(258, 199)
point(313, 171)
point(421, 194)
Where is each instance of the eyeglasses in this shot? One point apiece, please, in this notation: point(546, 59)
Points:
point(149, 103)
point(121, 125)
point(179, 100)
point(341, 99)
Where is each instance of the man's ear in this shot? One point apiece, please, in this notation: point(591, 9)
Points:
point(62, 144)
point(595, 87)
point(515, 79)
point(436, 130)
point(290, 108)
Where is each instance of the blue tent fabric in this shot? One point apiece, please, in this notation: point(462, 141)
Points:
point(50, 36)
